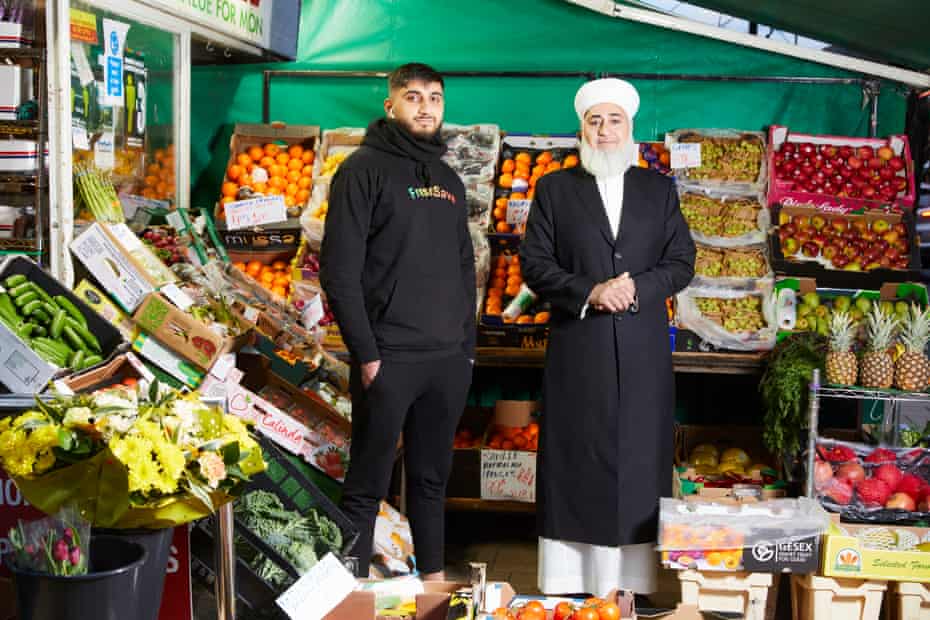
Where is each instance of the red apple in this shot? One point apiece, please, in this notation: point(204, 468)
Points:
point(896, 163)
point(869, 236)
point(900, 184)
point(902, 263)
point(854, 162)
point(885, 262)
point(828, 150)
point(819, 239)
point(901, 229)
point(839, 224)
point(865, 152)
point(790, 246)
point(803, 236)
point(828, 169)
point(818, 222)
point(788, 147)
point(888, 194)
point(790, 228)
point(840, 261)
point(869, 192)
point(876, 163)
point(839, 242)
point(818, 162)
point(886, 173)
point(830, 251)
point(782, 235)
point(807, 170)
point(807, 149)
point(810, 249)
point(850, 252)
point(801, 221)
point(845, 171)
point(901, 501)
point(789, 167)
point(893, 253)
point(845, 152)
point(885, 153)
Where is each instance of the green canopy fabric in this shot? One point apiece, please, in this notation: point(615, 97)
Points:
point(892, 32)
point(520, 35)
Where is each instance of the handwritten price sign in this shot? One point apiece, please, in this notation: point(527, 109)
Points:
point(255, 212)
point(508, 475)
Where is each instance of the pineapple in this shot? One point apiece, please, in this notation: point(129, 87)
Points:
point(842, 366)
point(913, 371)
point(877, 368)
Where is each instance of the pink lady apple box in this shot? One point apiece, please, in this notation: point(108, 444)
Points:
point(787, 192)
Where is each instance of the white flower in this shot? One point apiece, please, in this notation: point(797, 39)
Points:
point(78, 416)
point(116, 399)
point(119, 424)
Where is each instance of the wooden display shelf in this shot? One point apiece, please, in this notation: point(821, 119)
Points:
point(707, 363)
point(475, 504)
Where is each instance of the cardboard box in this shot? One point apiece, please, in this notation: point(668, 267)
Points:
point(841, 278)
point(340, 140)
point(168, 361)
point(121, 367)
point(121, 263)
point(526, 337)
point(501, 594)
point(432, 605)
point(509, 474)
point(844, 555)
point(780, 191)
point(465, 476)
point(246, 135)
point(101, 304)
point(182, 333)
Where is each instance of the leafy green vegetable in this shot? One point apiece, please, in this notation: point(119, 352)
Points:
point(300, 539)
point(784, 389)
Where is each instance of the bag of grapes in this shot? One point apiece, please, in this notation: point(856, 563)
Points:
point(728, 318)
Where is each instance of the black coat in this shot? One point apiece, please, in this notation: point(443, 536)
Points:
point(606, 441)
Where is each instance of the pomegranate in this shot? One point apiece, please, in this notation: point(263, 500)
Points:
point(890, 474)
point(853, 473)
point(881, 455)
point(901, 501)
point(840, 491)
point(873, 492)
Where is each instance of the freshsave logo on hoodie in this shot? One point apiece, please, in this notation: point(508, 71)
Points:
point(426, 193)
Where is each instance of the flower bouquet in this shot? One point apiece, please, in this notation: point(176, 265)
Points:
point(126, 460)
point(53, 545)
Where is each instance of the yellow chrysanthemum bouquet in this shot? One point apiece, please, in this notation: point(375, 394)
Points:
point(127, 460)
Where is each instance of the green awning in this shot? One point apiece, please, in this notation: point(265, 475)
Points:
point(890, 32)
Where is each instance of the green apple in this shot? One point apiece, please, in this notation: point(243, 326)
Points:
point(902, 307)
point(842, 304)
point(803, 311)
point(864, 304)
point(801, 324)
point(856, 315)
point(821, 312)
point(811, 299)
point(887, 308)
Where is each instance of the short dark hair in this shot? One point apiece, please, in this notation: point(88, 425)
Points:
point(414, 71)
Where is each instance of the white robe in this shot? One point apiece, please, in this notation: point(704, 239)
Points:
point(574, 568)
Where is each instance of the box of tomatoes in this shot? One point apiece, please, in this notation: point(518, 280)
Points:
point(269, 160)
point(524, 160)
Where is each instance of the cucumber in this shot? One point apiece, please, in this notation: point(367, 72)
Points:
point(72, 338)
point(92, 360)
point(57, 346)
point(58, 323)
point(25, 330)
point(41, 315)
point(49, 357)
point(7, 309)
point(77, 360)
point(14, 280)
point(16, 291)
point(84, 333)
point(41, 291)
point(26, 298)
point(57, 357)
point(73, 311)
point(50, 308)
point(32, 306)
point(38, 331)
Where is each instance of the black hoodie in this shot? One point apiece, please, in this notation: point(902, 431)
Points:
point(397, 260)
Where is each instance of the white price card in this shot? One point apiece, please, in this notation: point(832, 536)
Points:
point(255, 212)
point(318, 591)
point(518, 211)
point(686, 156)
point(508, 475)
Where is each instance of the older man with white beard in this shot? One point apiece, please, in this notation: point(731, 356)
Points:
point(606, 244)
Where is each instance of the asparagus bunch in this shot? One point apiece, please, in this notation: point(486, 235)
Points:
point(98, 194)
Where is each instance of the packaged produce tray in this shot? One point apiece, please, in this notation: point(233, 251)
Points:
point(828, 171)
point(728, 158)
point(890, 552)
point(25, 370)
point(473, 151)
point(296, 493)
point(727, 318)
point(731, 267)
point(723, 218)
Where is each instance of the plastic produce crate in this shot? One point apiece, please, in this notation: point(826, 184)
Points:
point(297, 493)
point(910, 601)
point(744, 593)
point(824, 598)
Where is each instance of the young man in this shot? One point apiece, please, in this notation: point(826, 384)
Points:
point(398, 271)
point(606, 244)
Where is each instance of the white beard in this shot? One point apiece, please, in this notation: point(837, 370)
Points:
point(608, 163)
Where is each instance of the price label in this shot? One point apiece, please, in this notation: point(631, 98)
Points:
point(255, 212)
point(318, 591)
point(518, 211)
point(686, 156)
point(508, 475)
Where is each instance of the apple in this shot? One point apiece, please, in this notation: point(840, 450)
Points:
point(790, 167)
point(885, 153)
point(860, 225)
point(839, 242)
point(886, 173)
point(819, 239)
point(896, 163)
point(853, 193)
point(869, 192)
point(790, 246)
point(818, 178)
point(845, 152)
point(853, 266)
point(901, 229)
point(828, 150)
point(893, 253)
point(845, 171)
point(865, 152)
point(876, 162)
point(885, 262)
point(803, 236)
point(864, 173)
point(782, 235)
point(902, 263)
point(891, 237)
point(810, 249)
point(801, 221)
point(881, 226)
point(828, 169)
point(838, 180)
point(790, 228)
point(818, 222)
point(840, 260)
point(881, 244)
point(807, 170)
point(888, 194)
point(850, 251)
point(818, 162)
point(900, 184)
point(872, 266)
point(854, 162)
point(839, 224)
point(830, 251)
point(788, 147)
point(806, 149)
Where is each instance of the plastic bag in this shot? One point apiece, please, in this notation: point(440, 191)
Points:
point(472, 151)
point(725, 219)
point(479, 197)
point(730, 158)
point(313, 219)
point(858, 481)
point(717, 266)
point(718, 315)
point(56, 545)
point(482, 254)
point(393, 544)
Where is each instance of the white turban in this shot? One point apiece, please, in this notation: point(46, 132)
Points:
point(607, 90)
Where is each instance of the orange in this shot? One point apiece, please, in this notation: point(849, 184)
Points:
point(240, 266)
point(291, 189)
point(295, 164)
point(502, 262)
point(302, 196)
point(277, 182)
point(501, 202)
point(148, 192)
point(500, 272)
point(304, 182)
point(307, 157)
point(522, 169)
point(534, 179)
point(506, 180)
point(229, 189)
point(234, 172)
point(159, 154)
point(524, 158)
point(266, 162)
point(290, 201)
point(553, 166)
point(153, 168)
point(272, 150)
point(498, 283)
point(267, 277)
point(162, 187)
point(518, 196)
point(250, 168)
point(500, 213)
point(507, 445)
point(293, 176)
point(295, 150)
point(539, 170)
point(307, 171)
point(225, 200)
point(256, 153)
point(151, 180)
point(570, 161)
point(514, 269)
point(275, 191)
point(278, 265)
point(495, 292)
point(245, 181)
point(541, 318)
point(282, 281)
point(254, 268)
point(244, 159)
point(544, 158)
point(514, 281)
point(512, 291)
point(261, 188)
point(280, 291)
point(502, 227)
point(282, 159)
point(520, 441)
point(507, 166)
point(531, 194)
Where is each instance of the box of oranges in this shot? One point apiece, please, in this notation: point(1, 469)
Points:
point(272, 273)
point(524, 160)
point(511, 315)
point(270, 160)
